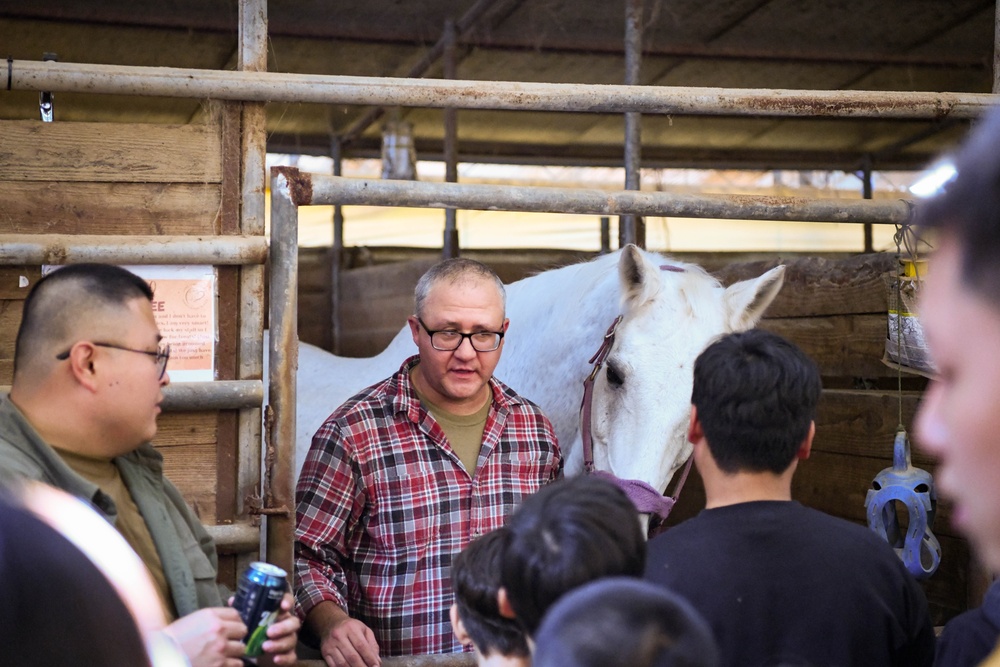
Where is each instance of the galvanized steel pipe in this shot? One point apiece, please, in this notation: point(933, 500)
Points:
point(283, 351)
point(631, 229)
point(503, 95)
point(324, 189)
point(198, 396)
point(75, 248)
point(235, 538)
point(217, 395)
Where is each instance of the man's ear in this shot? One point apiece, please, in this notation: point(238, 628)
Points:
point(414, 328)
point(695, 432)
point(81, 365)
point(458, 627)
point(805, 449)
point(503, 604)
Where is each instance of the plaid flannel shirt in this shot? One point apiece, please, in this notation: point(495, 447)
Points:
point(384, 504)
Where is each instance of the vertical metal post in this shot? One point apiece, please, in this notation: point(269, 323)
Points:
point(866, 183)
point(336, 251)
point(630, 227)
point(449, 246)
point(605, 234)
point(996, 49)
point(252, 58)
point(283, 351)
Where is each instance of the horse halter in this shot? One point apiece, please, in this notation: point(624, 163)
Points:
point(646, 499)
point(919, 548)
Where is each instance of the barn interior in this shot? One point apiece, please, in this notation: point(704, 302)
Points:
point(147, 164)
point(749, 44)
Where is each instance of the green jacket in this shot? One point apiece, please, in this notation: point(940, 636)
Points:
point(186, 549)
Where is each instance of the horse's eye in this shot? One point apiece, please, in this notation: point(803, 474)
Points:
point(614, 379)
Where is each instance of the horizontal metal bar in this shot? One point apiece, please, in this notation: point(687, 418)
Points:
point(235, 538)
point(75, 248)
point(506, 95)
point(216, 395)
point(324, 189)
point(444, 660)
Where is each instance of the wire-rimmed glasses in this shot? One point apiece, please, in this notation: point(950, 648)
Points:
point(161, 356)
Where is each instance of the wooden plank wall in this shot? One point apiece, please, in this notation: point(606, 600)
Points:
point(833, 307)
point(121, 179)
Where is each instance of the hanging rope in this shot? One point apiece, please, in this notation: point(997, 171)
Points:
point(918, 548)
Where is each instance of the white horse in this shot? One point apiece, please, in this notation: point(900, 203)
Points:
point(671, 312)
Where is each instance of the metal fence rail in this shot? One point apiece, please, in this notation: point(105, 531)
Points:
point(319, 189)
point(75, 248)
point(499, 95)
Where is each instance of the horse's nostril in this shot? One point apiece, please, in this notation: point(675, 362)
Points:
point(614, 378)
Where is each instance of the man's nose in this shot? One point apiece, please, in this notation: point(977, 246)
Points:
point(165, 380)
point(465, 348)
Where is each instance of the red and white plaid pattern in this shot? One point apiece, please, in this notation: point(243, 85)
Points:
point(384, 504)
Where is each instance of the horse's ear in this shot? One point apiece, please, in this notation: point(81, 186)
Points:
point(640, 279)
point(747, 300)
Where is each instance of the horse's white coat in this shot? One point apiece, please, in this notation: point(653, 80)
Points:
point(557, 321)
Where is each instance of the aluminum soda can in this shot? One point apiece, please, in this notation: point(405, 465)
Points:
point(258, 601)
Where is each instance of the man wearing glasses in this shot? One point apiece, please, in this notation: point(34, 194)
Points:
point(89, 368)
point(405, 474)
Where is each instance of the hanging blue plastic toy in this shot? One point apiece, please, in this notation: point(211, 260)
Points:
point(914, 488)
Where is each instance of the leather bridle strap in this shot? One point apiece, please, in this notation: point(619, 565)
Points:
point(588, 394)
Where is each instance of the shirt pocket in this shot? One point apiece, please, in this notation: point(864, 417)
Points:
point(530, 468)
point(407, 509)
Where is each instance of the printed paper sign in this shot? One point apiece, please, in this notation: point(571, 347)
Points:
point(184, 308)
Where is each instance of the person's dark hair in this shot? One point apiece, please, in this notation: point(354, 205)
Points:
point(58, 301)
point(968, 208)
point(570, 532)
point(452, 270)
point(58, 608)
point(756, 395)
point(621, 622)
point(475, 579)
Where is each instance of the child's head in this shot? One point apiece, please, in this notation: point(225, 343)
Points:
point(623, 622)
point(475, 616)
point(570, 532)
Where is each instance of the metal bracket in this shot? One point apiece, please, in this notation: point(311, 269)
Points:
point(45, 103)
point(256, 508)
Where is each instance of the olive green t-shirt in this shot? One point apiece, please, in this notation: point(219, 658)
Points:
point(104, 473)
point(464, 432)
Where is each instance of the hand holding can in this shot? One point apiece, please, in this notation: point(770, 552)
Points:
point(258, 601)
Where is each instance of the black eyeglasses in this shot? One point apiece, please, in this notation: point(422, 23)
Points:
point(162, 354)
point(448, 340)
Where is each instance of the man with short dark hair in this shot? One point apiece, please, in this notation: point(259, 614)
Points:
point(777, 581)
point(571, 532)
point(402, 476)
point(89, 367)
